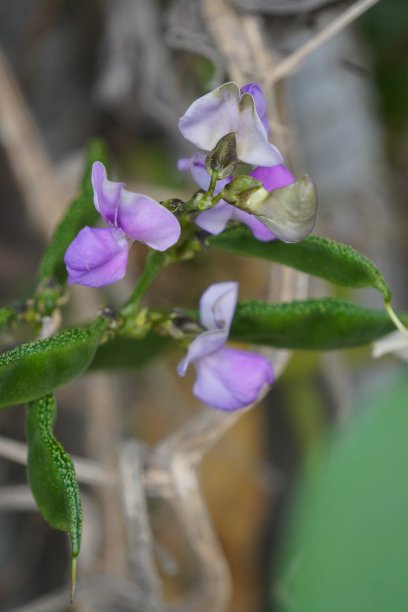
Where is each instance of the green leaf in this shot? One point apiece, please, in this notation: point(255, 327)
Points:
point(6, 316)
point(346, 549)
point(36, 368)
point(81, 212)
point(318, 324)
point(333, 261)
point(51, 474)
point(121, 353)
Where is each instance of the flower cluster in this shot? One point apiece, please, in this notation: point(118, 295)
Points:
point(275, 205)
point(98, 257)
point(227, 378)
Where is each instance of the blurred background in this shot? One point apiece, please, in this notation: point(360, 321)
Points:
point(307, 492)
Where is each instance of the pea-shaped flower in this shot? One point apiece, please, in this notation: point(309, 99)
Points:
point(98, 256)
point(231, 109)
point(214, 220)
point(227, 378)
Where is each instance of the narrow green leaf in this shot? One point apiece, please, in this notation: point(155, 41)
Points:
point(81, 212)
point(333, 261)
point(121, 353)
point(36, 368)
point(51, 474)
point(320, 324)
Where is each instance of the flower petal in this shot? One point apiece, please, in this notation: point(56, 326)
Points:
point(214, 220)
point(253, 146)
point(106, 193)
point(260, 102)
point(257, 227)
point(230, 379)
point(212, 116)
point(289, 212)
point(217, 305)
point(196, 165)
point(206, 343)
point(273, 177)
point(144, 219)
point(97, 257)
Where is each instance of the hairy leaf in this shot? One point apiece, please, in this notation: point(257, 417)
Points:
point(36, 368)
point(333, 261)
point(318, 324)
point(51, 474)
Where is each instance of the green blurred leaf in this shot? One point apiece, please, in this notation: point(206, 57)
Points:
point(36, 368)
point(318, 324)
point(81, 212)
point(347, 543)
point(121, 353)
point(333, 261)
point(6, 316)
point(51, 474)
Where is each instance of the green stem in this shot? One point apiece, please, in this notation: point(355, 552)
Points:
point(213, 183)
point(156, 261)
point(395, 319)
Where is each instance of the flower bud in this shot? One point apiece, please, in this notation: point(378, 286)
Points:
point(288, 212)
point(240, 189)
point(223, 158)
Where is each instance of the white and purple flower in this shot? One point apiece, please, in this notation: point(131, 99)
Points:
point(214, 220)
point(98, 257)
point(231, 109)
point(227, 379)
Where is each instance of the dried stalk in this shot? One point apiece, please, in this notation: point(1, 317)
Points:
point(294, 61)
point(28, 156)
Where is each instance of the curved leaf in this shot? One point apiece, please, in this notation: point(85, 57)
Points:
point(51, 474)
point(333, 261)
point(320, 324)
point(80, 213)
point(36, 368)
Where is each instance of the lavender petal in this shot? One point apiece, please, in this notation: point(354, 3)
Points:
point(97, 257)
point(231, 379)
point(260, 102)
point(106, 193)
point(145, 220)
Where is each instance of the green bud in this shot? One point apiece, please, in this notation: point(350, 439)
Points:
point(222, 160)
point(288, 212)
point(239, 190)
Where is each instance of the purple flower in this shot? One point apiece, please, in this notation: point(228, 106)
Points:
point(227, 379)
point(214, 220)
point(98, 257)
point(229, 109)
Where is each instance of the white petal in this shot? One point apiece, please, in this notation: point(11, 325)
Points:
point(253, 145)
point(212, 116)
point(217, 305)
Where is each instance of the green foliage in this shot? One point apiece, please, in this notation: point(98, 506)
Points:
point(333, 261)
point(347, 543)
point(80, 213)
point(121, 353)
point(318, 324)
point(51, 474)
point(6, 316)
point(36, 368)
